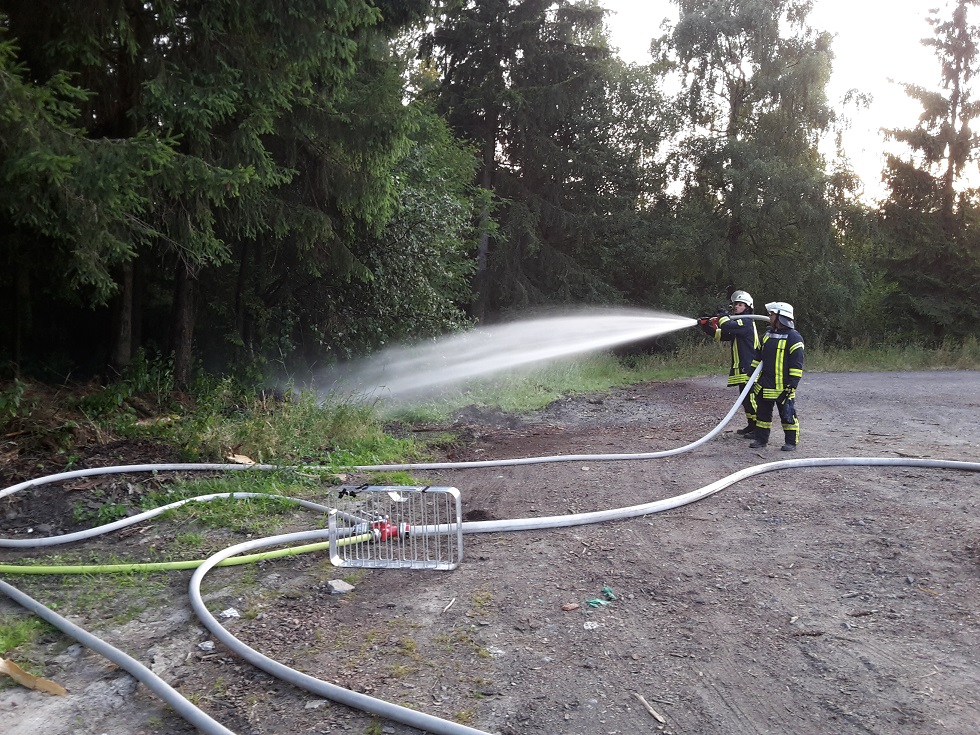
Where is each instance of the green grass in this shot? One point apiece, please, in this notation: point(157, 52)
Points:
point(336, 431)
point(398, 477)
point(106, 512)
point(895, 358)
point(118, 598)
point(19, 639)
point(305, 429)
point(190, 540)
point(102, 599)
point(18, 630)
point(243, 515)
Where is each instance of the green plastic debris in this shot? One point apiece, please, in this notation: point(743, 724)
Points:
point(599, 602)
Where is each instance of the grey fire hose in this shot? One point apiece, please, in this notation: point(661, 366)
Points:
point(154, 683)
point(576, 457)
point(379, 707)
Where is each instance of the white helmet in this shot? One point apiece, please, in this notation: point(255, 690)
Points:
point(742, 296)
point(783, 311)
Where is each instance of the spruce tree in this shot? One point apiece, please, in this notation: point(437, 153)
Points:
point(930, 218)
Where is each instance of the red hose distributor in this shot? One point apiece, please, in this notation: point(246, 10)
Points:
point(385, 531)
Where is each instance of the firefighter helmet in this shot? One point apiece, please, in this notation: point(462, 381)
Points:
point(742, 296)
point(783, 311)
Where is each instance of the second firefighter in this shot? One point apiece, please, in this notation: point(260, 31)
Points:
point(782, 370)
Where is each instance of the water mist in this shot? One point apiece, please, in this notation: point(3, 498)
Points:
point(402, 372)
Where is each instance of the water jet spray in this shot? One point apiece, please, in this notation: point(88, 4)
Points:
point(398, 372)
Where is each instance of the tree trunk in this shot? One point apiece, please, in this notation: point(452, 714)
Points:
point(735, 230)
point(949, 175)
point(481, 281)
point(22, 314)
point(124, 125)
point(241, 318)
point(122, 343)
point(139, 285)
point(183, 325)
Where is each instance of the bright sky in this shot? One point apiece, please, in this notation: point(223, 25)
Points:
point(875, 40)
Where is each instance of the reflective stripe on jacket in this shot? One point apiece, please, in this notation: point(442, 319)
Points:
point(782, 362)
point(745, 346)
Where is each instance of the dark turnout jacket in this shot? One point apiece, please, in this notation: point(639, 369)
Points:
point(782, 361)
point(741, 332)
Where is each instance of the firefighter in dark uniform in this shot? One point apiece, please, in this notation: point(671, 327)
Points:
point(782, 370)
point(741, 332)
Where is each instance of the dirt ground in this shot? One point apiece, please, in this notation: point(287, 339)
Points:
point(809, 600)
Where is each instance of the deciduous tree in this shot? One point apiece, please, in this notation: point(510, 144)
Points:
point(755, 205)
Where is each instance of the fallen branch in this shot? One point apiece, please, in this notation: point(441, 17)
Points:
point(653, 713)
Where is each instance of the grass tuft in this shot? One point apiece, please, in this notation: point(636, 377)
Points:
point(17, 630)
point(867, 357)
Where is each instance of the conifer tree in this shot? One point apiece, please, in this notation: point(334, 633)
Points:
point(532, 84)
point(931, 218)
point(164, 124)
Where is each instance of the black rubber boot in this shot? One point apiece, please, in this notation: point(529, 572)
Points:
point(761, 438)
point(790, 445)
point(748, 432)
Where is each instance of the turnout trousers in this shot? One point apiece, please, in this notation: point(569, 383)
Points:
point(787, 414)
point(750, 404)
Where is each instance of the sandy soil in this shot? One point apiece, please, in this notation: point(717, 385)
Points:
point(809, 600)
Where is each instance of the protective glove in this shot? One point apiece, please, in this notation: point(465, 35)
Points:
point(786, 395)
point(722, 311)
point(706, 325)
